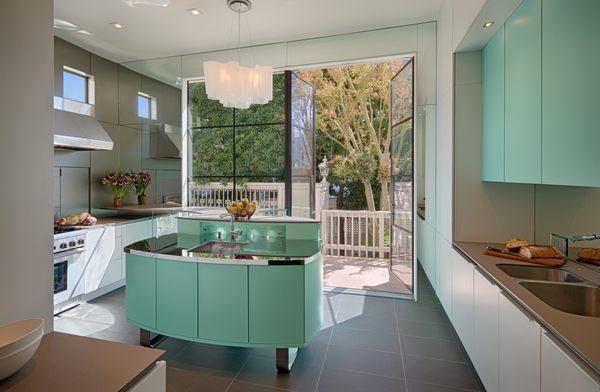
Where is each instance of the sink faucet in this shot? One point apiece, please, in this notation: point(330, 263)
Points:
point(233, 233)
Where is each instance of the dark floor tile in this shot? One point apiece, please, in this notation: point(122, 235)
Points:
point(370, 306)
point(313, 354)
point(338, 380)
point(427, 330)
point(457, 375)
point(417, 305)
point(433, 348)
point(238, 386)
point(345, 337)
point(414, 386)
point(262, 371)
point(366, 323)
point(367, 361)
point(189, 381)
point(209, 360)
point(172, 347)
point(423, 315)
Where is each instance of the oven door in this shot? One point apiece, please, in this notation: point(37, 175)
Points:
point(68, 275)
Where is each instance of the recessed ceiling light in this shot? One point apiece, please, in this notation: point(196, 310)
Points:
point(159, 3)
point(487, 24)
point(117, 25)
point(84, 32)
point(196, 11)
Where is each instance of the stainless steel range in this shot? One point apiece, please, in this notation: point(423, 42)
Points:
point(69, 266)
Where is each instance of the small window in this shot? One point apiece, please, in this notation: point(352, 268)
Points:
point(75, 86)
point(146, 106)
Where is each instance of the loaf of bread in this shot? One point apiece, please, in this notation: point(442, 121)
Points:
point(540, 252)
point(589, 253)
point(516, 244)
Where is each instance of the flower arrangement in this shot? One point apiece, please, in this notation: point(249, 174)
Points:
point(119, 183)
point(139, 185)
point(242, 209)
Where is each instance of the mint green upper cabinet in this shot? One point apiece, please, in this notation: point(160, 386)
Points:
point(493, 109)
point(571, 56)
point(523, 127)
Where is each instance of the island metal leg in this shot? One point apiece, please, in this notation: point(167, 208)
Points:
point(147, 340)
point(284, 359)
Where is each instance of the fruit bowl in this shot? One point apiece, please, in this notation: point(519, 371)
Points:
point(18, 342)
point(242, 209)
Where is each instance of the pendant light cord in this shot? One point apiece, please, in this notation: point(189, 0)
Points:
point(239, 35)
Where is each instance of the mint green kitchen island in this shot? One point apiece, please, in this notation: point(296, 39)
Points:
point(256, 285)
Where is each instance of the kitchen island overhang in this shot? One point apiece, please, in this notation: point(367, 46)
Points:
point(267, 294)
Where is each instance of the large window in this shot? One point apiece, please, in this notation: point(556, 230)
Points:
point(237, 153)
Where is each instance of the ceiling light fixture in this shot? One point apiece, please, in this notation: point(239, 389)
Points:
point(117, 25)
point(157, 3)
point(64, 25)
point(232, 84)
point(487, 24)
point(84, 32)
point(196, 11)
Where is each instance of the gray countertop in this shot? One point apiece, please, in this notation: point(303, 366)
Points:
point(580, 333)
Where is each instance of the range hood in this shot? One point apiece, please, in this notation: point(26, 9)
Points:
point(76, 128)
point(165, 141)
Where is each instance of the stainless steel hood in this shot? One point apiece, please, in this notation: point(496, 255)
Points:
point(165, 141)
point(75, 127)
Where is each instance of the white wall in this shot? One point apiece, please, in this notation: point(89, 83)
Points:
point(26, 160)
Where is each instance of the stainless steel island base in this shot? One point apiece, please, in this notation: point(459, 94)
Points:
point(284, 359)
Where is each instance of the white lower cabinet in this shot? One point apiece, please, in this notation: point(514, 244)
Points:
point(485, 330)
point(518, 349)
point(462, 300)
point(562, 371)
point(103, 258)
point(444, 256)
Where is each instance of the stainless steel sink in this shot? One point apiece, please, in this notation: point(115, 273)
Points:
point(570, 298)
point(219, 247)
point(539, 273)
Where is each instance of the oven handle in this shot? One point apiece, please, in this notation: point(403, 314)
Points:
point(68, 253)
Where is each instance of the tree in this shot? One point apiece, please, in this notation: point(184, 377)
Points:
point(353, 106)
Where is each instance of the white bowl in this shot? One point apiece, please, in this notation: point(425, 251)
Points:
point(19, 334)
point(18, 342)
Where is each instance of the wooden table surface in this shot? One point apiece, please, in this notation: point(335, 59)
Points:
point(67, 362)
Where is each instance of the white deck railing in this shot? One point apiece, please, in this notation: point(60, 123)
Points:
point(363, 234)
point(216, 194)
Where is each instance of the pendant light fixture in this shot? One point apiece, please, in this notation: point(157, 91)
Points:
point(232, 84)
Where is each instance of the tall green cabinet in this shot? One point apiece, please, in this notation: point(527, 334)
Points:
point(539, 88)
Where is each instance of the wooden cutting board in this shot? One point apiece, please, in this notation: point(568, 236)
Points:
point(515, 256)
point(589, 261)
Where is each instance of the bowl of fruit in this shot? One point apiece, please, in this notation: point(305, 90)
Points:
point(242, 209)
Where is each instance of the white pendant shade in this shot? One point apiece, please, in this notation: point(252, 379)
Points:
point(236, 86)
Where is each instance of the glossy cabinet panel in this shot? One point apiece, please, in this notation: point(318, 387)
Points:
point(570, 85)
point(176, 297)
point(103, 257)
point(140, 292)
point(563, 372)
point(462, 301)
point(223, 295)
point(518, 349)
point(276, 303)
point(523, 127)
point(106, 76)
point(493, 109)
point(485, 331)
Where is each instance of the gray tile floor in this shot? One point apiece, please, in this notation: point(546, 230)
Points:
point(366, 344)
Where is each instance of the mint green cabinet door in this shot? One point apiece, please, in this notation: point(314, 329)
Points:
point(223, 302)
point(140, 291)
point(571, 83)
point(313, 297)
point(276, 304)
point(492, 162)
point(177, 298)
point(523, 94)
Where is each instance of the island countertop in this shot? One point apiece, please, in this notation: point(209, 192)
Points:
point(256, 250)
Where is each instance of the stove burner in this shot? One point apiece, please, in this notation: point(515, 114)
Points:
point(60, 229)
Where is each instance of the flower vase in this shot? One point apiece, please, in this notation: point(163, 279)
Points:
point(118, 202)
point(142, 200)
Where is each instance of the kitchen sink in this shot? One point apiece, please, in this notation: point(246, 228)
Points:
point(219, 247)
point(570, 298)
point(539, 273)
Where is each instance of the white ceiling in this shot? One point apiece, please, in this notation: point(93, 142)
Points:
point(151, 32)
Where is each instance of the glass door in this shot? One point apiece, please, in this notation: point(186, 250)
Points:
point(301, 133)
point(402, 173)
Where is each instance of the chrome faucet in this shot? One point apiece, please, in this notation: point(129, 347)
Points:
point(233, 233)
